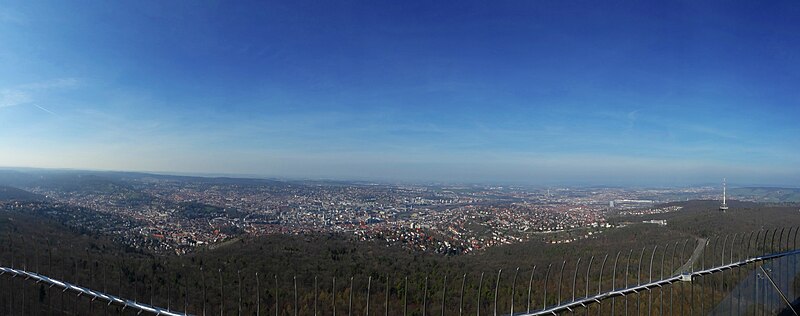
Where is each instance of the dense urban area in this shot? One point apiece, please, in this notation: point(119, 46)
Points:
point(177, 214)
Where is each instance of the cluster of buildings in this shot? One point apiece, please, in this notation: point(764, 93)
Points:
point(178, 215)
point(651, 210)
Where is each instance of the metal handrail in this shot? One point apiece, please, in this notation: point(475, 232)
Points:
point(95, 295)
point(685, 277)
point(569, 304)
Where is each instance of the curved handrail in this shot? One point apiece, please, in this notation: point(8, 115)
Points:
point(65, 286)
point(685, 277)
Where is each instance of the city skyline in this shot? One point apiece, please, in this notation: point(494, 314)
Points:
point(545, 92)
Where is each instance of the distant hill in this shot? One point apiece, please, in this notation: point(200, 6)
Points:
point(14, 194)
point(16, 178)
point(766, 194)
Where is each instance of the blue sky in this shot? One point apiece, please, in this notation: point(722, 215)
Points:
point(541, 92)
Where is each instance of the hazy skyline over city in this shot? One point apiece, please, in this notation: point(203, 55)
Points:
point(533, 92)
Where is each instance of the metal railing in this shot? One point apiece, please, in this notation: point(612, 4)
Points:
point(684, 277)
point(92, 294)
point(743, 273)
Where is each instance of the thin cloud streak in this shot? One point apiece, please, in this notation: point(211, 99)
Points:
point(12, 97)
point(43, 109)
point(27, 93)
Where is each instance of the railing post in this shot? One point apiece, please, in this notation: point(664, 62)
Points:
point(63, 303)
point(575, 278)
point(733, 246)
point(614, 281)
point(169, 291)
point(22, 285)
point(496, 290)
point(50, 271)
point(77, 280)
point(333, 295)
point(627, 269)
point(600, 284)
point(461, 296)
point(749, 239)
point(530, 287)
point(691, 284)
point(92, 281)
point(405, 297)
point(756, 242)
point(722, 273)
point(480, 285)
point(743, 254)
point(386, 301)
point(444, 293)
point(11, 280)
point(350, 303)
point(203, 279)
point(560, 278)
point(105, 309)
point(785, 261)
point(661, 290)
point(722, 252)
point(671, 286)
point(221, 294)
point(762, 296)
point(588, 269)
point(794, 259)
point(152, 287)
point(425, 298)
point(239, 306)
point(794, 246)
point(781, 265)
point(764, 243)
point(369, 287)
point(105, 290)
point(639, 282)
point(546, 279)
point(772, 241)
point(258, 295)
point(50, 257)
point(650, 279)
point(704, 280)
point(513, 290)
point(119, 281)
point(755, 287)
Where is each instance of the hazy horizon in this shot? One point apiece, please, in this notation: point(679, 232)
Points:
point(614, 93)
point(599, 183)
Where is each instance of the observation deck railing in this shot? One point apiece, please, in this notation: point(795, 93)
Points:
point(724, 275)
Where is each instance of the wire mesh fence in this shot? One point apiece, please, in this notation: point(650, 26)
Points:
point(748, 273)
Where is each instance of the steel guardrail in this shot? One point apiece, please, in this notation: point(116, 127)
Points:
point(684, 277)
point(95, 295)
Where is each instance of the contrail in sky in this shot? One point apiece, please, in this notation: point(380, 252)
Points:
point(43, 109)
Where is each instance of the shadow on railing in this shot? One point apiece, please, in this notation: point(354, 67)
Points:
point(739, 274)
